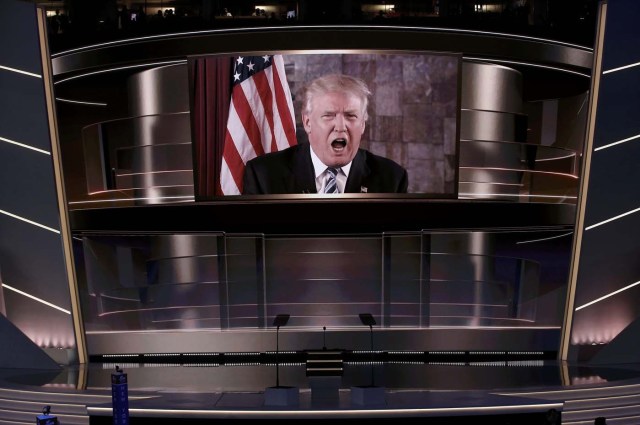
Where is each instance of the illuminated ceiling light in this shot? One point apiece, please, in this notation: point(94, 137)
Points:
point(80, 102)
point(140, 187)
point(607, 296)
point(612, 219)
point(535, 65)
point(617, 143)
point(557, 158)
point(545, 239)
point(518, 170)
point(608, 71)
point(460, 304)
point(202, 319)
point(19, 71)
point(120, 68)
point(167, 308)
point(30, 222)
point(473, 194)
point(266, 8)
point(153, 198)
point(22, 145)
point(492, 183)
point(153, 172)
point(4, 285)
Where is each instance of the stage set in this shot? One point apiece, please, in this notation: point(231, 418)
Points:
point(140, 285)
point(496, 392)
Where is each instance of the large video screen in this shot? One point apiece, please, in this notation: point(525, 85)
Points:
point(311, 124)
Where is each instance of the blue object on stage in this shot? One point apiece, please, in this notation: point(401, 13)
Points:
point(46, 418)
point(120, 397)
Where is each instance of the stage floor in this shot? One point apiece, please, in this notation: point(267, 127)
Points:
point(507, 392)
point(494, 376)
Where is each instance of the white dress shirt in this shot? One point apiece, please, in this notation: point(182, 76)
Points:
point(321, 175)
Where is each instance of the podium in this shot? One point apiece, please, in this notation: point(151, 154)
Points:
point(282, 396)
point(368, 395)
point(46, 418)
point(324, 371)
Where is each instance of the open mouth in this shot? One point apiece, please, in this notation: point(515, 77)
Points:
point(339, 144)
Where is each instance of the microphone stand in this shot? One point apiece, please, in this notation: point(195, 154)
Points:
point(280, 396)
point(369, 394)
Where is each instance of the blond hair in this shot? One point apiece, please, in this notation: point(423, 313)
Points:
point(333, 83)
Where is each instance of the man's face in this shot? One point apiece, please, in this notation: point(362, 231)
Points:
point(335, 125)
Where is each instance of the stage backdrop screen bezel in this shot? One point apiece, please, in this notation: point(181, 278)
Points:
point(416, 98)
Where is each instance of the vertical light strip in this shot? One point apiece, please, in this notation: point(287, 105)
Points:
point(584, 184)
point(65, 232)
point(83, 371)
point(565, 377)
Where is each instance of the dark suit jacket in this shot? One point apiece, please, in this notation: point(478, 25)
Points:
point(291, 171)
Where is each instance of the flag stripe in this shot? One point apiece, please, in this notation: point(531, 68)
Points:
point(239, 139)
point(263, 87)
point(281, 141)
point(285, 105)
point(233, 160)
point(258, 112)
point(247, 118)
point(261, 117)
point(228, 185)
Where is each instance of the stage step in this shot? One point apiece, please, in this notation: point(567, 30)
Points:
point(20, 405)
point(3, 422)
point(21, 416)
point(619, 404)
point(325, 363)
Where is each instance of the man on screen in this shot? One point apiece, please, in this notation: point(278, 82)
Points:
point(334, 116)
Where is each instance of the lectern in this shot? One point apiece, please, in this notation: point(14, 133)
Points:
point(280, 395)
point(368, 395)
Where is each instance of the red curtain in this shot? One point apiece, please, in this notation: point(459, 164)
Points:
point(210, 95)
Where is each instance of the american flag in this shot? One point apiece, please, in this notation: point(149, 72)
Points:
point(261, 116)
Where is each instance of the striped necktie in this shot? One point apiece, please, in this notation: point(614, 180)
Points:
point(331, 185)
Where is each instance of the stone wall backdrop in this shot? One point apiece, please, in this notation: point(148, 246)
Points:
point(413, 112)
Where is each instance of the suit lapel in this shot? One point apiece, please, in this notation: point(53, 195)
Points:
point(303, 178)
point(358, 174)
